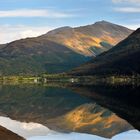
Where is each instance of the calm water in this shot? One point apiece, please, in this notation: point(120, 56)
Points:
point(40, 110)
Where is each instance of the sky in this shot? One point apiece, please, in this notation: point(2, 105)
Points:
point(30, 18)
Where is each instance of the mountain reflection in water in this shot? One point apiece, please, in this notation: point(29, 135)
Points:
point(60, 109)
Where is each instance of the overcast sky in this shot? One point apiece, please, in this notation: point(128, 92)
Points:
point(27, 18)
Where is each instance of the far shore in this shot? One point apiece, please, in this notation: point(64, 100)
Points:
point(133, 80)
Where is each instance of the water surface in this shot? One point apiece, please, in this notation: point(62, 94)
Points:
point(71, 109)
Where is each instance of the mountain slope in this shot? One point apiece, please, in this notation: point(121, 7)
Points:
point(59, 50)
point(124, 58)
point(33, 56)
point(90, 40)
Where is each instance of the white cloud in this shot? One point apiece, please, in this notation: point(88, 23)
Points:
point(127, 6)
point(34, 13)
point(128, 1)
point(132, 26)
point(128, 9)
point(10, 33)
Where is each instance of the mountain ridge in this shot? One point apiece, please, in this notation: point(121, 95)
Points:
point(90, 40)
point(59, 50)
point(121, 59)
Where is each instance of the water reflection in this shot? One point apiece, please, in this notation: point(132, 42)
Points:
point(24, 129)
point(60, 109)
point(123, 100)
point(34, 131)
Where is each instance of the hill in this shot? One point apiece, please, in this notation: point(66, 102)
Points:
point(33, 56)
point(124, 58)
point(90, 40)
point(59, 50)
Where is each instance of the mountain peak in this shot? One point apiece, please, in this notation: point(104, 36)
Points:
point(108, 24)
point(103, 22)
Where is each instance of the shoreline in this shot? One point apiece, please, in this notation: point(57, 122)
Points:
point(112, 80)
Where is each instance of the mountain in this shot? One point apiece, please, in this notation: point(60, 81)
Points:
point(124, 58)
point(33, 56)
point(89, 40)
point(59, 50)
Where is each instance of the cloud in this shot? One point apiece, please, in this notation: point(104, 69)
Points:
point(132, 26)
point(34, 13)
point(127, 6)
point(128, 9)
point(126, 1)
point(10, 33)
